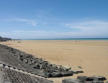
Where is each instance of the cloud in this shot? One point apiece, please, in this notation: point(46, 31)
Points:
point(84, 29)
point(88, 24)
point(23, 20)
point(28, 21)
point(30, 34)
point(90, 28)
point(37, 34)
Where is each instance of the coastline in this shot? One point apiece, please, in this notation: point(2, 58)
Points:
point(70, 39)
point(91, 55)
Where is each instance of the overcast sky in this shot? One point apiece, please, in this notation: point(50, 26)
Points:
point(34, 19)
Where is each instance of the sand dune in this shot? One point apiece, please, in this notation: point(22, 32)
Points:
point(90, 56)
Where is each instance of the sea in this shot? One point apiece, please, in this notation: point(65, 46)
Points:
point(70, 39)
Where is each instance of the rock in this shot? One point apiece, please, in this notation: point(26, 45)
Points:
point(85, 79)
point(77, 72)
point(80, 67)
point(32, 64)
point(82, 78)
point(93, 79)
point(11, 75)
point(70, 81)
point(68, 73)
point(101, 78)
point(106, 82)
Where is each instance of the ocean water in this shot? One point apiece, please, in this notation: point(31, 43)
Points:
point(71, 39)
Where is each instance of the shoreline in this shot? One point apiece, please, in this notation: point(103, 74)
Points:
point(69, 39)
point(90, 55)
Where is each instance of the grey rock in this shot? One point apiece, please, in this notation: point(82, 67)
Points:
point(93, 79)
point(8, 75)
point(70, 81)
point(106, 82)
point(31, 64)
point(85, 79)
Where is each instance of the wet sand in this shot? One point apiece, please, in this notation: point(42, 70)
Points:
point(89, 55)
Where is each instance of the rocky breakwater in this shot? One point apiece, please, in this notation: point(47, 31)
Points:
point(9, 74)
point(31, 64)
point(86, 79)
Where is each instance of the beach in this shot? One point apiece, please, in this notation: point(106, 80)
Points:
point(91, 56)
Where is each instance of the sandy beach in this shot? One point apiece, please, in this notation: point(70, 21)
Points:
point(91, 56)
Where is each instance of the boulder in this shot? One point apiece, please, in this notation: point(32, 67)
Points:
point(70, 81)
point(85, 79)
point(93, 79)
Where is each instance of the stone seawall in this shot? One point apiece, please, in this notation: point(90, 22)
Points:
point(19, 67)
point(27, 62)
point(9, 74)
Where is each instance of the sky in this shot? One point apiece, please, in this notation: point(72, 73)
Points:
point(36, 19)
